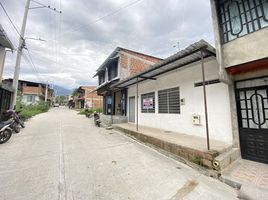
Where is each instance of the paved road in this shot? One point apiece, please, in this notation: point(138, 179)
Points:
point(62, 155)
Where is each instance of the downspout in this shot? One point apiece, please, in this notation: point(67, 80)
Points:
point(137, 105)
point(205, 99)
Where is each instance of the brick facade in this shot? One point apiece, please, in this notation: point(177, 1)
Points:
point(133, 62)
point(32, 90)
point(91, 98)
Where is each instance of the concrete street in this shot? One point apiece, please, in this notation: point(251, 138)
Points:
point(62, 155)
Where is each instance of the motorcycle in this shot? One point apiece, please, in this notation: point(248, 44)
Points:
point(97, 119)
point(5, 130)
point(17, 121)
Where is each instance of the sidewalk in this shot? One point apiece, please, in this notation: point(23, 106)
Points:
point(251, 177)
point(192, 148)
point(247, 172)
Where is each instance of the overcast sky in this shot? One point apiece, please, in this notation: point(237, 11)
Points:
point(77, 42)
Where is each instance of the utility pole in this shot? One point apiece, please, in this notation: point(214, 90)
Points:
point(22, 44)
point(19, 53)
point(46, 92)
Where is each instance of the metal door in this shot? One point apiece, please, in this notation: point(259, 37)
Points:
point(131, 117)
point(252, 104)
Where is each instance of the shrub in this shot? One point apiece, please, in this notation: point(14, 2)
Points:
point(28, 111)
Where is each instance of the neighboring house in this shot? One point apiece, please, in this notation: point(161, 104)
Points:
point(120, 64)
point(169, 95)
point(5, 91)
point(241, 37)
point(32, 92)
point(86, 97)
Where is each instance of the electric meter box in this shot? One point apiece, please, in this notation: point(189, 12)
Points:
point(196, 119)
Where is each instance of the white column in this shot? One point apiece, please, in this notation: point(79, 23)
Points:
point(2, 61)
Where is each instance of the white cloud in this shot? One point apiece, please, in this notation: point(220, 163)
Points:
point(75, 47)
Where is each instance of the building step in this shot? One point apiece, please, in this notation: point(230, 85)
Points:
point(226, 158)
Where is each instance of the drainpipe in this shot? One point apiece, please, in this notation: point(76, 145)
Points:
point(205, 99)
point(112, 109)
point(137, 105)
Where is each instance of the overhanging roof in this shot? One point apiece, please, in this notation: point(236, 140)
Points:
point(4, 40)
point(114, 55)
point(185, 57)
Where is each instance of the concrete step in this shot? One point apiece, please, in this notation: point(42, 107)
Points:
point(225, 159)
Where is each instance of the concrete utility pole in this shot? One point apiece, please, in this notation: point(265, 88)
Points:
point(19, 53)
point(22, 44)
point(46, 92)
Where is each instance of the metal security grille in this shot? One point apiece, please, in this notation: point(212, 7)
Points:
point(252, 106)
point(241, 17)
point(169, 100)
point(150, 108)
point(5, 99)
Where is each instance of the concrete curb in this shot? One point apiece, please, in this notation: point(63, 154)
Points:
point(252, 192)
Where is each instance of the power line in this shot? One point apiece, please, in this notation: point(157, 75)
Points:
point(106, 15)
point(14, 26)
point(30, 61)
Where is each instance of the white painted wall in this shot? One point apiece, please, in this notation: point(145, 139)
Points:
point(217, 96)
point(35, 100)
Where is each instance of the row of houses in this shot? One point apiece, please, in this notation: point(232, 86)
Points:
point(221, 90)
point(86, 97)
point(31, 92)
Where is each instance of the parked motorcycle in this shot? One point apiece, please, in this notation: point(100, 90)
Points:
point(5, 130)
point(97, 120)
point(17, 121)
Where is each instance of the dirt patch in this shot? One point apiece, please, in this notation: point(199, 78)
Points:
point(188, 187)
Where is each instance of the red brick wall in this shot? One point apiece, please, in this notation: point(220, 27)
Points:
point(123, 61)
point(31, 90)
point(148, 58)
point(136, 64)
point(97, 100)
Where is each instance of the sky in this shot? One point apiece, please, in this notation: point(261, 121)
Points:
point(77, 41)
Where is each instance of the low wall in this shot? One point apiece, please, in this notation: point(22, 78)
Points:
point(115, 119)
point(196, 156)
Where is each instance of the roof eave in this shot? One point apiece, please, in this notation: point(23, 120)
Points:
point(191, 49)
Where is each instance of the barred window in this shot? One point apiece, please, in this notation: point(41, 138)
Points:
point(169, 100)
point(148, 103)
point(241, 17)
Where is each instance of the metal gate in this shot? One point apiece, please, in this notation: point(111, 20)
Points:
point(5, 100)
point(131, 117)
point(252, 106)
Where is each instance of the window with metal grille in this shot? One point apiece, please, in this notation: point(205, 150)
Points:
point(169, 100)
point(241, 17)
point(148, 103)
point(112, 71)
point(101, 78)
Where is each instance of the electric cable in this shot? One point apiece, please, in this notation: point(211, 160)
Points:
point(104, 16)
point(9, 18)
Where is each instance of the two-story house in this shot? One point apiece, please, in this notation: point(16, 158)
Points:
point(241, 35)
point(86, 97)
point(119, 65)
point(32, 92)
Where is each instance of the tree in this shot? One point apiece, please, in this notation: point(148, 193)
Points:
point(61, 99)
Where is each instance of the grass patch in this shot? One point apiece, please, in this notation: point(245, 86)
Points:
point(197, 160)
point(28, 111)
